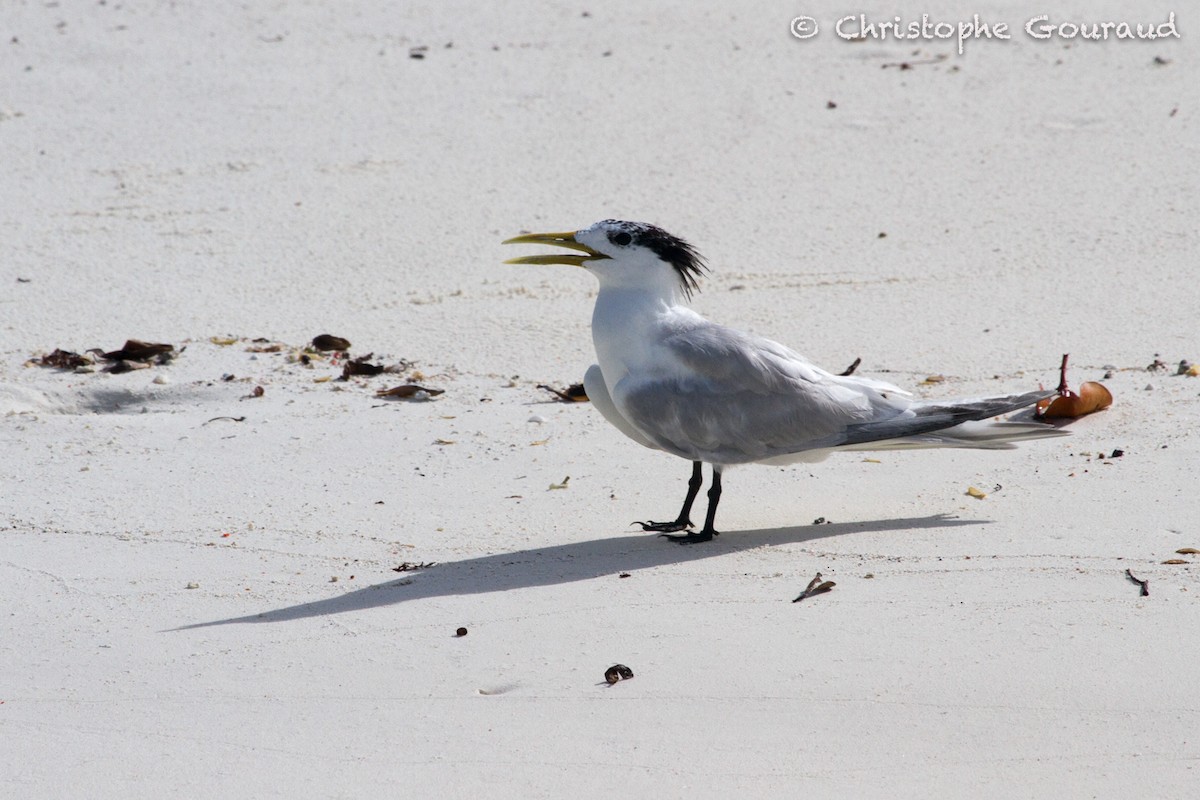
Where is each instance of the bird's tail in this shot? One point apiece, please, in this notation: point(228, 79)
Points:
point(959, 423)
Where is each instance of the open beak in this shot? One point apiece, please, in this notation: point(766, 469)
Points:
point(566, 240)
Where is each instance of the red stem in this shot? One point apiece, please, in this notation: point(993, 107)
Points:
point(1062, 376)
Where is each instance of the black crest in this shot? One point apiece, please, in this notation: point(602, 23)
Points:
point(688, 263)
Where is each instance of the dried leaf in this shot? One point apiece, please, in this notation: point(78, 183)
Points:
point(64, 359)
point(1188, 551)
point(1176, 561)
point(1092, 397)
point(359, 366)
point(815, 586)
point(409, 390)
point(329, 342)
point(978, 494)
point(137, 350)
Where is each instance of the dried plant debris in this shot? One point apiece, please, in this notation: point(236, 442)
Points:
point(1188, 551)
point(64, 359)
point(137, 350)
point(328, 341)
point(409, 566)
point(410, 391)
point(617, 672)
point(978, 494)
point(361, 366)
point(1092, 397)
point(850, 369)
point(815, 586)
point(1144, 584)
point(575, 393)
point(1176, 561)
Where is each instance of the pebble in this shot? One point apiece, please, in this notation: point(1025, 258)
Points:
point(161, 380)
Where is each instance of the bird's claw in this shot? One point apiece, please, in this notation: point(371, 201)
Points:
point(665, 527)
point(692, 538)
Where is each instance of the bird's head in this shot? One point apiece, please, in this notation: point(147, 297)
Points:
point(629, 254)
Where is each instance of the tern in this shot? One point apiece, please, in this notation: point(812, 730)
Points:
point(672, 380)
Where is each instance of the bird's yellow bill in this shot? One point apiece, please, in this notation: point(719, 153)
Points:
point(566, 240)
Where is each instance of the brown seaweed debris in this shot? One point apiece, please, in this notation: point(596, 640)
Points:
point(327, 341)
point(64, 359)
point(137, 350)
point(815, 586)
point(409, 391)
point(361, 366)
point(1092, 397)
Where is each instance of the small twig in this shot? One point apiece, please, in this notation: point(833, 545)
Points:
point(850, 369)
point(903, 65)
point(232, 419)
point(574, 393)
point(1144, 584)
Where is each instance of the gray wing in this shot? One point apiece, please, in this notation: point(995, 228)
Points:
point(597, 392)
point(731, 398)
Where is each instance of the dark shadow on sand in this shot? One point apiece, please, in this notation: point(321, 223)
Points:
point(565, 563)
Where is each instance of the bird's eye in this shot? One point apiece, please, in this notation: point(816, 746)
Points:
point(621, 238)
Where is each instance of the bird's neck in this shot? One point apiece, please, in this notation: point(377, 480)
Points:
point(625, 322)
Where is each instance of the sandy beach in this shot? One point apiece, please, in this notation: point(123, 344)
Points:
point(232, 573)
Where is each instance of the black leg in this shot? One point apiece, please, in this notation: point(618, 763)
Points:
point(684, 521)
point(708, 532)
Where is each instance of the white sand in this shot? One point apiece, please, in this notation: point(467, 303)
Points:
point(177, 171)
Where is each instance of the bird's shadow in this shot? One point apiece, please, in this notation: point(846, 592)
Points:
point(566, 563)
